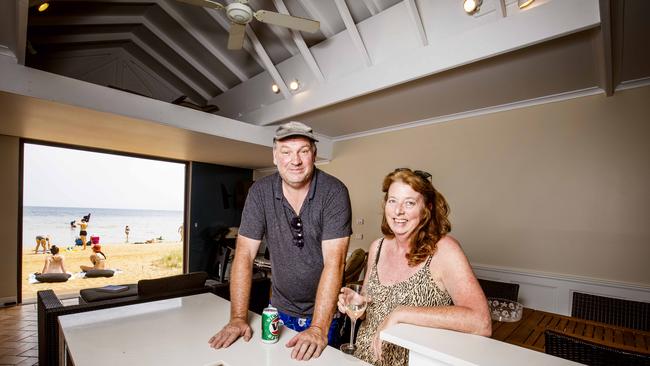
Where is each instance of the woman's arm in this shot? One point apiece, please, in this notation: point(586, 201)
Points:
point(62, 266)
point(469, 314)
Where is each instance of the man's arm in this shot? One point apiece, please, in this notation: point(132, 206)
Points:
point(312, 341)
point(241, 276)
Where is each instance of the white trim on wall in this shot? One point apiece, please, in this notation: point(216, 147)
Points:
point(5, 301)
point(553, 292)
point(630, 84)
point(477, 112)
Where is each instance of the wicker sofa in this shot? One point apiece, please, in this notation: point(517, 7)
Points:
point(50, 308)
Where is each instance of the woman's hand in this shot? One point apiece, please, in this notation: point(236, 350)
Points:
point(390, 320)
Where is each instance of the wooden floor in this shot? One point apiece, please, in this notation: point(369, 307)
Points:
point(18, 335)
point(529, 332)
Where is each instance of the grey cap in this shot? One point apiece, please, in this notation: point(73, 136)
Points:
point(294, 128)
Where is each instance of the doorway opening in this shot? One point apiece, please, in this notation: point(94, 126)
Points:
point(85, 210)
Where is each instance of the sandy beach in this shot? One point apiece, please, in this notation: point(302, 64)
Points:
point(135, 261)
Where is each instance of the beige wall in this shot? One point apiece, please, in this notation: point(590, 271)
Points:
point(9, 158)
point(561, 188)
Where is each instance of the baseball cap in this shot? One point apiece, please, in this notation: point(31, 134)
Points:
point(294, 128)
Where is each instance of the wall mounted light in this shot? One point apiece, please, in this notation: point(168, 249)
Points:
point(43, 6)
point(275, 88)
point(524, 3)
point(472, 6)
point(294, 85)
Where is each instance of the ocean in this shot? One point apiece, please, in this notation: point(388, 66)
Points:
point(107, 223)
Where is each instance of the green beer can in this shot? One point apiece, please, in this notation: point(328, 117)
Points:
point(270, 325)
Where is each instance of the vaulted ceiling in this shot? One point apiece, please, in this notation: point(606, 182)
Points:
point(373, 65)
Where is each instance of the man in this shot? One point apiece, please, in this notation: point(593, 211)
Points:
point(304, 215)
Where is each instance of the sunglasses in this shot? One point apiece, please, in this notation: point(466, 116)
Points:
point(296, 230)
point(421, 173)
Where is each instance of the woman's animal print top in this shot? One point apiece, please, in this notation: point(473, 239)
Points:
point(418, 290)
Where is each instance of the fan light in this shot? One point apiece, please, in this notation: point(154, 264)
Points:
point(472, 6)
point(524, 3)
point(294, 85)
point(275, 88)
point(43, 6)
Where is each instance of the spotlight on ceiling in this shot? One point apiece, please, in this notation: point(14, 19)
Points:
point(44, 5)
point(275, 88)
point(524, 3)
point(472, 6)
point(294, 85)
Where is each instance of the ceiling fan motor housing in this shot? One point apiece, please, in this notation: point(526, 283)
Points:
point(239, 13)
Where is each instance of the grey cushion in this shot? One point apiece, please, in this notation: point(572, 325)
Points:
point(92, 273)
point(52, 277)
point(194, 280)
point(97, 294)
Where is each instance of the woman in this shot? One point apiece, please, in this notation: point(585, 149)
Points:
point(44, 241)
point(83, 234)
point(54, 262)
point(98, 259)
point(417, 273)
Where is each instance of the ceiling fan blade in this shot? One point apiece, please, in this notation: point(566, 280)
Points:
point(283, 20)
point(205, 3)
point(236, 38)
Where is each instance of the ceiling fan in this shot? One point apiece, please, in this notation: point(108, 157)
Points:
point(240, 13)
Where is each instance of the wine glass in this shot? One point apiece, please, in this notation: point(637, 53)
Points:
point(355, 299)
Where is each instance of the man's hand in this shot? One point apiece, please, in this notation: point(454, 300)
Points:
point(308, 343)
point(228, 335)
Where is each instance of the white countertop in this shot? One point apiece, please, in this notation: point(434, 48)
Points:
point(176, 332)
point(456, 348)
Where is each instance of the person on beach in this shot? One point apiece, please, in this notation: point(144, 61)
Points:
point(98, 259)
point(54, 262)
point(417, 273)
point(126, 232)
point(83, 233)
point(44, 241)
point(304, 215)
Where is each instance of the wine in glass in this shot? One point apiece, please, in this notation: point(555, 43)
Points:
point(355, 300)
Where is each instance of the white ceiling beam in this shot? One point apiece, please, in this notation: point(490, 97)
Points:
point(503, 10)
point(372, 7)
point(609, 44)
point(22, 9)
point(313, 13)
point(158, 57)
point(128, 36)
point(353, 31)
point(41, 85)
point(58, 20)
point(162, 35)
point(180, 19)
point(542, 23)
point(302, 46)
point(268, 64)
point(414, 13)
point(248, 46)
point(135, 20)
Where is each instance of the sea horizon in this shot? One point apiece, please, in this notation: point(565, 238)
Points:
point(106, 223)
